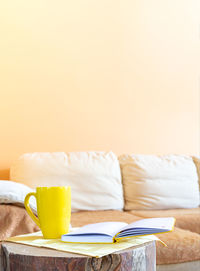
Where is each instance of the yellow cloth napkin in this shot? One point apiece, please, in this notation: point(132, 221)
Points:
point(95, 250)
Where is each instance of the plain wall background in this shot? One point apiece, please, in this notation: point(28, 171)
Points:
point(99, 75)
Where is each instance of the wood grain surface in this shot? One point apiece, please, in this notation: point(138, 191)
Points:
point(18, 257)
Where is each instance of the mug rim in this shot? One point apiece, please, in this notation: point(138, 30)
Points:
point(39, 187)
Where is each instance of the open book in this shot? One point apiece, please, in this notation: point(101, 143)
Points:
point(111, 232)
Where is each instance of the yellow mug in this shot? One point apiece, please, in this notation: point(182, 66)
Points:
point(53, 208)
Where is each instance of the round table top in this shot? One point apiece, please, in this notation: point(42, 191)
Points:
point(21, 249)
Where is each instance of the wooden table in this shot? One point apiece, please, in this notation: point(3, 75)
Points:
point(17, 257)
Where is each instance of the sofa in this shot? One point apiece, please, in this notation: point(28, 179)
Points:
point(110, 188)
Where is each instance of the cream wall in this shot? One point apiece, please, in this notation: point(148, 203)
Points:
point(99, 75)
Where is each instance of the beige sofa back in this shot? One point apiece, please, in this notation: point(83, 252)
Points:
point(94, 177)
point(159, 182)
point(196, 160)
point(148, 181)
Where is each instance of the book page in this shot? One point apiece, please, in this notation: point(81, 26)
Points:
point(87, 238)
point(162, 223)
point(107, 228)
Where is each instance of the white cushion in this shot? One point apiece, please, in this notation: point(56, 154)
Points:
point(94, 177)
point(159, 182)
point(12, 192)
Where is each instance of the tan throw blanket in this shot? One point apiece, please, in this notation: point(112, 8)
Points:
point(14, 220)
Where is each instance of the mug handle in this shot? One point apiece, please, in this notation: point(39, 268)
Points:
point(28, 209)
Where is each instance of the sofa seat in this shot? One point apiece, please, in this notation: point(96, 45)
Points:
point(188, 219)
point(182, 245)
point(86, 217)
